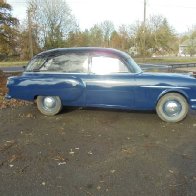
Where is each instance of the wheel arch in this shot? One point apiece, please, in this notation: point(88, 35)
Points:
point(181, 92)
point(35, 97)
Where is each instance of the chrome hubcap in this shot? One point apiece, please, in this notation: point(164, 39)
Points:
point(49, 103)
point(172, 108)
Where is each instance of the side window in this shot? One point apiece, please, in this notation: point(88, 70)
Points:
point(107, 65)
point(70, 63)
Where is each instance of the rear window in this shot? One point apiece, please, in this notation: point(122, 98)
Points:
point(71, 63)
point(35, 64)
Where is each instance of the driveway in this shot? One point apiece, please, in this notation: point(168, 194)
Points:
point(96, 152)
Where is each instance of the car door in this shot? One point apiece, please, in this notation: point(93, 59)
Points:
point(110, 83)
point(63, 75)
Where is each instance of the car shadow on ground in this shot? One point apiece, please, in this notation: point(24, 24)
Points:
point(67, 109)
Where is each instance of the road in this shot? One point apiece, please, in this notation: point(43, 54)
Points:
point(96, 152)
point(12, 69)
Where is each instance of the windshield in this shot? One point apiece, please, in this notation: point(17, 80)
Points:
point(35, 64)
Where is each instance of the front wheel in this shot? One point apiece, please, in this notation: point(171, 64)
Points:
point(49, 105)
point(172, 107)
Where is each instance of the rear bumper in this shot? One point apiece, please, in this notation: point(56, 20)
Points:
point(7, 96)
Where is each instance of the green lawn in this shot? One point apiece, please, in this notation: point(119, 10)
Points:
point(17, 63)
point(166, 60)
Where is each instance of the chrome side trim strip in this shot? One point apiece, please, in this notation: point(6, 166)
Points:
point(66, 73)
point(167, 87)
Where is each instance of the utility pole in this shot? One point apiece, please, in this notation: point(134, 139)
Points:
point(144, 12)
point(144, 30)
point(30, 34)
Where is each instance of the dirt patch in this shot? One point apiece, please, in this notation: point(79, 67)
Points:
point(4, 103)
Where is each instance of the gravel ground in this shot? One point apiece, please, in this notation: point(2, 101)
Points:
point(96, 152)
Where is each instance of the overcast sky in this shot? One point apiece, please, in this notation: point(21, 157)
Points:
point(181, 14)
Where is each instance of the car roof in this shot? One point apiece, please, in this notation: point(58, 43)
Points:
point(59, 51)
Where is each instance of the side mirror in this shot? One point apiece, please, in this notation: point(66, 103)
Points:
point(24, 67)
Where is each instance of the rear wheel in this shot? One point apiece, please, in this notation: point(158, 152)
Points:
point(172, 107)
point(49, 105)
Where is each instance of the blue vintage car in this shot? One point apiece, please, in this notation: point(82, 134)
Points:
point(101, 77)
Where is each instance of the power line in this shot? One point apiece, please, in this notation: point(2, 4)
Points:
point(171, 6)
point(87, 1)
point(17, 2)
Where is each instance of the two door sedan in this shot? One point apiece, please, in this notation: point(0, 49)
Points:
point(99, 77)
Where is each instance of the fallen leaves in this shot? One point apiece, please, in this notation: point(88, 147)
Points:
point(128, 150)
point(43, 184)
point(98, 188)
point(71, 152)
point(62, 163)
point(90, 153)
point(112, 171)
point(58, 158)
point(13, 158)
point(8, 144)
point(4, 103)
point(29, 115)
point(61, 160)
point(171, 171)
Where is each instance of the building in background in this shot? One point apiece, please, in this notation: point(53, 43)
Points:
point(187, 48)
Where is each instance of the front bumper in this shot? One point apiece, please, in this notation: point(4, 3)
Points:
point(193, 104)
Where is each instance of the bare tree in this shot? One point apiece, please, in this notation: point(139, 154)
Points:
point(96, 36)
point(107, 28)
point(53, 21)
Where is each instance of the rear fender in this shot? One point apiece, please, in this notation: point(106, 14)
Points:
point(68, 88)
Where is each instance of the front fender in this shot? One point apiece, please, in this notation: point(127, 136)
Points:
point(176, 90)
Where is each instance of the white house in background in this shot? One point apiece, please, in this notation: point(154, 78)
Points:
point(186, 46)
point(133, 51)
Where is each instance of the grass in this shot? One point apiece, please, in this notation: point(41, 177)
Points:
point(165, 60)
point(14, 63)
